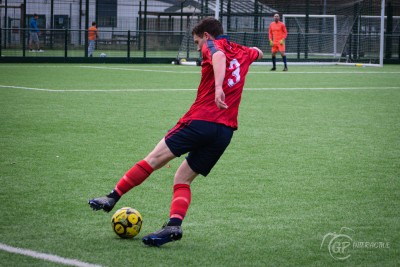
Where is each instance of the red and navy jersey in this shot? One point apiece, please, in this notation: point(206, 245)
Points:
point(238, 61)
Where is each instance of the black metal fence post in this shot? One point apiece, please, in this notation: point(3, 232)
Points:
point(389, 31)
point(51, 23)
point(298, 43)
point(23, 42)
point(66, 43)
point(5, 22)
point(86, 28)
point(306, 29)
point(1, 30)
point(129, 44)
point(145, 30)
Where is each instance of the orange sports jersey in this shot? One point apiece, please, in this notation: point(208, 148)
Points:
point(92, 33)
point(277, 31)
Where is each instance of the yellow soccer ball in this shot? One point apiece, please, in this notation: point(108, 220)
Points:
point(126, 222)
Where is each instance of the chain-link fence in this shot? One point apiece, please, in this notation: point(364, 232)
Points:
point(161, 28)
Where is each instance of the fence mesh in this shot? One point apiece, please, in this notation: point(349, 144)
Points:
point(162, 28)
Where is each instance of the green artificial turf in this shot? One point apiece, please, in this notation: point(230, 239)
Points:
point(318, 149)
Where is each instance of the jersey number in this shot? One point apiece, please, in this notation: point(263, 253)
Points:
point(235, 66)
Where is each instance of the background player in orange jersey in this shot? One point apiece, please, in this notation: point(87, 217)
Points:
point(92, 36)
point(277, 36)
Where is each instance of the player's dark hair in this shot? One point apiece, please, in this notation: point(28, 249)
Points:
point(93, 23)
point(210, 25)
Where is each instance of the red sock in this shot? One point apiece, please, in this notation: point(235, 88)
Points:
point(180, 201)
point(134, 177)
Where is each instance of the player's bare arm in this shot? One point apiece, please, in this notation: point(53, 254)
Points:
point(219, 67)
point(260, 53)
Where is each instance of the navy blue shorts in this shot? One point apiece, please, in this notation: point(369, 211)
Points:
point(205, 141)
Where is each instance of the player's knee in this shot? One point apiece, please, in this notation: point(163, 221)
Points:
point(159, 157)
point(181, 178)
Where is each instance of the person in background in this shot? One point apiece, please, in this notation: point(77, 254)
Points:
point(277, 35)
point(92, 36)
point(34, 34)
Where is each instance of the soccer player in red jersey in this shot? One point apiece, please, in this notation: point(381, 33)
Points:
point(277, 35)
point(204, 131)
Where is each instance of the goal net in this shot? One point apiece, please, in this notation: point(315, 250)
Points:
point(188, 53)
point(354, 34)
point(351, 32)
point(321, 41)
point(245, 21)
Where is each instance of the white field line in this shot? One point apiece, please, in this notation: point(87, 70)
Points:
point(252, 72)
point(179, 70)
point(95, 90)
point(324, 88)
point(144, 70)
point(192, 89)
point(323, 72)
point(46, 257)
